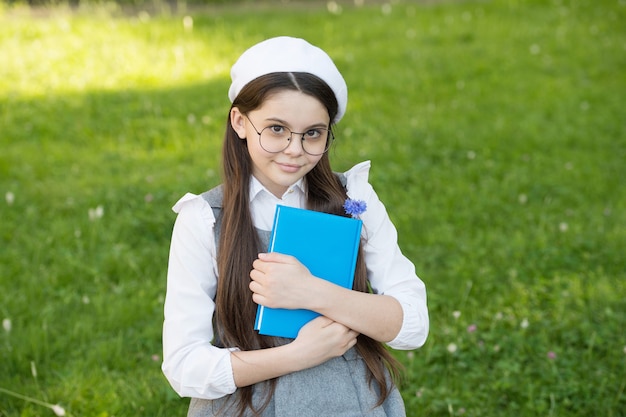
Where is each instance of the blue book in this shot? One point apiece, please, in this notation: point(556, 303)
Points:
point(326, 244)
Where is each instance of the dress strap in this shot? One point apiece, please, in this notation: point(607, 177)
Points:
point(214, 197)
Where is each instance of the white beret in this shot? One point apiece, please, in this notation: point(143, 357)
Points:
point(286, 54)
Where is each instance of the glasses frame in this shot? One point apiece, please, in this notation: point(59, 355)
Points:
point(329, 139)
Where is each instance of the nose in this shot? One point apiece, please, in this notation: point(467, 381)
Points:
point(296, 145)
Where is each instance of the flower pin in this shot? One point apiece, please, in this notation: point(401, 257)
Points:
point(354, 207)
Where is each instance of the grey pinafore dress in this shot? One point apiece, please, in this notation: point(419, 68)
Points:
point(336, 388)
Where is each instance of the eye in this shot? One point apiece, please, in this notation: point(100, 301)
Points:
point(277, 130)
point(314, 133)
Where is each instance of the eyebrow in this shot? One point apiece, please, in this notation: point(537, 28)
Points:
point(284, 122)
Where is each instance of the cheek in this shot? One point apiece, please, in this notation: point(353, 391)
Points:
point(257, 154)
point(254, 148)
point(315, 159)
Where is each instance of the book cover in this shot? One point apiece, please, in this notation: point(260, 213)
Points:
point(326, 244)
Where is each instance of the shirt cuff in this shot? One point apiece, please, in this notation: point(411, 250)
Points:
point(415, 327)
point(205, 379)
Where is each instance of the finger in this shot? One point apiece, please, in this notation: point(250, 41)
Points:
point(338, 327)
point(352, 343)
point(255, 287)
point(354, 334)
point(257, 275)
point(259, 265)
point(266, 266)
point(276, 257)
point(259, 299)
point(322, 321)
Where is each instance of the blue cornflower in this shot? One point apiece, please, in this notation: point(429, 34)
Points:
point(355, 207)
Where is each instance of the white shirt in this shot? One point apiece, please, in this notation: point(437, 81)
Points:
point(196, 368)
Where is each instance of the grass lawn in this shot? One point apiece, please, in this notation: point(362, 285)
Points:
point(497, 134)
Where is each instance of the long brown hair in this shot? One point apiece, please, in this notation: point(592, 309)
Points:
point(239, 242)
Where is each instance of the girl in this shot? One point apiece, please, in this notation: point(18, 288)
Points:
point(286, 96)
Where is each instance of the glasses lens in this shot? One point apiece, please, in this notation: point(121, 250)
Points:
point(274, 138)
point(277, 138)
point(316, 141)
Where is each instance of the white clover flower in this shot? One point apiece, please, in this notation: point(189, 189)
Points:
point(452, 348)
point(6, 325)
point(456, 314)
point(143, 16)
point(524, 324)
point(333, 7)
point(522, 198)
point(9, 197)
point(96, 213)
point(188, 23)
point(58, 410)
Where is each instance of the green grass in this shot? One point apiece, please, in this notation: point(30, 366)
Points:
point(498, 141)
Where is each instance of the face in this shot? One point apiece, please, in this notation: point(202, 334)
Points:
point(298, 112)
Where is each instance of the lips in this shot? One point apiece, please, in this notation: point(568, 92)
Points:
point(290, 168)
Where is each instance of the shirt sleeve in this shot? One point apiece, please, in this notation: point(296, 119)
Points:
point(389, 271)
point(192, 365)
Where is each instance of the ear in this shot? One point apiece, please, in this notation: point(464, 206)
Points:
point(237, 122)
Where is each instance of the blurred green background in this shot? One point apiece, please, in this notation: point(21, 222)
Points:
point(497, 134)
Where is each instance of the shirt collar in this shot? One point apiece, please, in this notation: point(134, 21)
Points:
point(256, 187)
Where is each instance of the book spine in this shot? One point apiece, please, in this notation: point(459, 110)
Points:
point(356, 250)
point(260, 309)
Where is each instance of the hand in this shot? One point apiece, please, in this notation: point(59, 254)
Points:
point(322, 339)
point(280, 281)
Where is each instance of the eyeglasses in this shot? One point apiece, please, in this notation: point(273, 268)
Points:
point(276, 138)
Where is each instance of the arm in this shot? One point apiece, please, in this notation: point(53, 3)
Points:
point(193, 366)
point(318, 341)
point(396, 313)
point(390, 272)
point(374, 315)
point(280, 281)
